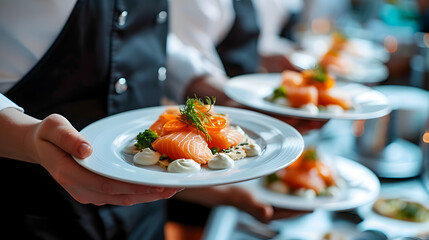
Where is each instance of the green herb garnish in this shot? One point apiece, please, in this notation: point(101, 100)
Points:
point(310, 154)
point(145, 139)
point(320, 73)
point(194, 113)
point(215, 150)
point(272, 178)
point(279, 92)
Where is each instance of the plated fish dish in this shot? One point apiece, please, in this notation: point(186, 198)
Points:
point(312, 90)
point(307, 177)
point(184, 139)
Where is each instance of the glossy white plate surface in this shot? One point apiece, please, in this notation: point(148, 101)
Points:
point(281, 145)
point(253, 89)
point(361, 187)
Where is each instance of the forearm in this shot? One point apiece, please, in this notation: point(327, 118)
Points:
point(228, 195)
point(208, 85)
point(15, 134)
point(206, 196)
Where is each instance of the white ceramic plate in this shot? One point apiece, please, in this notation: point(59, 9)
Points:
point(361, 187)
point(281, 145)
point(252, 89)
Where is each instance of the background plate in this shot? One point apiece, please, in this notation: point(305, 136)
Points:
point(252, 89)
point(362, 187)
point(281, 145)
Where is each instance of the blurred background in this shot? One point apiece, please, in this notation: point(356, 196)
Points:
point(387, 50)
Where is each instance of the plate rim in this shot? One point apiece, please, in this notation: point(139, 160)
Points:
point(291, 130)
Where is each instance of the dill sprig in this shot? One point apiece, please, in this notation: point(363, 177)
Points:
point(194, 113)
point(320, 73)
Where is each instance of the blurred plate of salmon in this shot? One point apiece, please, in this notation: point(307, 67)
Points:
point(252, 90)
point(361, 187)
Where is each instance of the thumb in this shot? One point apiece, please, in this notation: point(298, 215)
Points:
point(58, 130)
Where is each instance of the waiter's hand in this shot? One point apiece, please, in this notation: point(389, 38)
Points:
point(50, 143)
point(263, 212)
point(276, 64)
point(239, 198)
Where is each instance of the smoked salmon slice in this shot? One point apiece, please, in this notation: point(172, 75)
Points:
point(308, 171)
point(292, 78)
point(225, 138)
point(309, 76)
point(332, 97)
point(297, 178)
point(170, 113)
point(184, 144)
point(299, 96)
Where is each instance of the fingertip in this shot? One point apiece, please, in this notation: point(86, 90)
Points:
point(84, 150)
point(269, 211)
point(168, 193)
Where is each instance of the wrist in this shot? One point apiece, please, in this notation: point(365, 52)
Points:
point(16, 140)
point(7, 103)
point(208, 85)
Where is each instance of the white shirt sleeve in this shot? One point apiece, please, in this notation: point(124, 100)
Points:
point(202, 24)
point(184, 63)
point(272, 16)
point(7, 103)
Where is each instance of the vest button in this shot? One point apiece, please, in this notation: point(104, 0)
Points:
point(121, 86)
point(162, 17)
point(122, 19)
point(162, 74)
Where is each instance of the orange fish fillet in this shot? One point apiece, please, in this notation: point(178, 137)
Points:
point(184, 144)
point(299, 96)
point(158, 125)
point(292, 78)
point(225, 138)
point(298, 178)
point(328, 97)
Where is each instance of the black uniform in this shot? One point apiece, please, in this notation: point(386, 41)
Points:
point(109, 58)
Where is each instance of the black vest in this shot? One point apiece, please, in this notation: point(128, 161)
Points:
point(78, 78)
point(239, 50)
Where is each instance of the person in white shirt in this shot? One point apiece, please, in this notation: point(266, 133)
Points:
point(75, 63)
point(217, 21)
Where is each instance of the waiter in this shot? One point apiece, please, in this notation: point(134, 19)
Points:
point(84, 60)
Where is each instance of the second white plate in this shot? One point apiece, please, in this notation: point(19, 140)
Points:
point(252, 89)
point(361, 187)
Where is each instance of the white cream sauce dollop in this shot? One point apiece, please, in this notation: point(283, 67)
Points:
point(252, 150)
point(310, 107)
point(146, 157)
point(335, 109)
point(221, 161)
point(184, 166)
